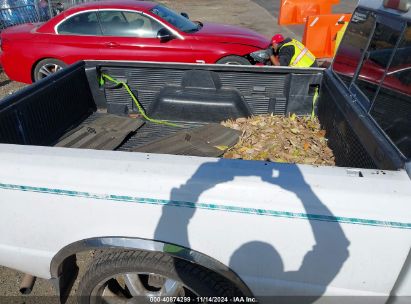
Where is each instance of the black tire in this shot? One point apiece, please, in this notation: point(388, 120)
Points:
point(49, 64)
point(201, 281)
point(235, 60)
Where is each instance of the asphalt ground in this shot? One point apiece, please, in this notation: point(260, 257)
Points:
point(259, 15)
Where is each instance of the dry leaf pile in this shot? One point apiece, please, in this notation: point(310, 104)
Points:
point(280, 139)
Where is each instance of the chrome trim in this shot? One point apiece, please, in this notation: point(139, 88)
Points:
point(399, 70)
point(72, 15)
point(120, 10)
point(127, 243)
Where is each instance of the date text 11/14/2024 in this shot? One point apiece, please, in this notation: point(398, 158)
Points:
point(202, 300)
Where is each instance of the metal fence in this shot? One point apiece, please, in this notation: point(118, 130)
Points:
point(57, 6)
point(14, 12)
point(17, 15)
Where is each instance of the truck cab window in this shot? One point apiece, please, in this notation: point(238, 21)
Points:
point(377, 58)
point(392, 106)
point(354, 43)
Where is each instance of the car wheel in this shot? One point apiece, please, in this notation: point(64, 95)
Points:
point(235, 60)
point(126, 276)
point(47, 67)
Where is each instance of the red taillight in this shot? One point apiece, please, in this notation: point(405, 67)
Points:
point(401, 5)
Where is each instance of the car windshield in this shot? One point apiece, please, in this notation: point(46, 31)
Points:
point(180, 22)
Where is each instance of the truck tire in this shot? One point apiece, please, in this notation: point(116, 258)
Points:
point(235, 60)
point(125, 274)
point(47, 67)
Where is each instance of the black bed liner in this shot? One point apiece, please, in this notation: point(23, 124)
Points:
point(209, 140)
point(104, 132)
point(43, 113)
point(150, 132)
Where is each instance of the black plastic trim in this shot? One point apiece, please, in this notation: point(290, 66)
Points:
point(382, 151)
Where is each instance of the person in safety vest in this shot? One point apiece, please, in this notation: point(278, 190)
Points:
point(290, 52)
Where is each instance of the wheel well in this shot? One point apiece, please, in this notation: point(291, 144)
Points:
point(234, 55)
point(33, 67)
point(64, 269)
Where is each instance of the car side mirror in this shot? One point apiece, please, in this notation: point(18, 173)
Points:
point(185, 15)
point(165, 35)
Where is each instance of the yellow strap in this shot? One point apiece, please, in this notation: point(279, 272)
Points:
point(134, 98)
point(314, 102)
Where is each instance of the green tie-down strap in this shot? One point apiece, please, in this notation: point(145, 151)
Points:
point(134, 98)
point(314, 102)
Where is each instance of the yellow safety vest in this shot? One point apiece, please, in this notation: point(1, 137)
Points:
point(302, 58)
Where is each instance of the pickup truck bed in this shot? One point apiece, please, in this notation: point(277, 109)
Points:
point(209, 225)
point(191, 96)
point(216, 212)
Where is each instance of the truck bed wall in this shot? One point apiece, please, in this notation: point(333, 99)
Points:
point(198, 94)
point(264, 90)
point(347, 147)
point(354, 136)
point(41, 113)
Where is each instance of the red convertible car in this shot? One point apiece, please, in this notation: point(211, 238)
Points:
point(121, 30)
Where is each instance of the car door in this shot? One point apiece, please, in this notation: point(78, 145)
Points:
point(78, 38)
point(131, 35)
